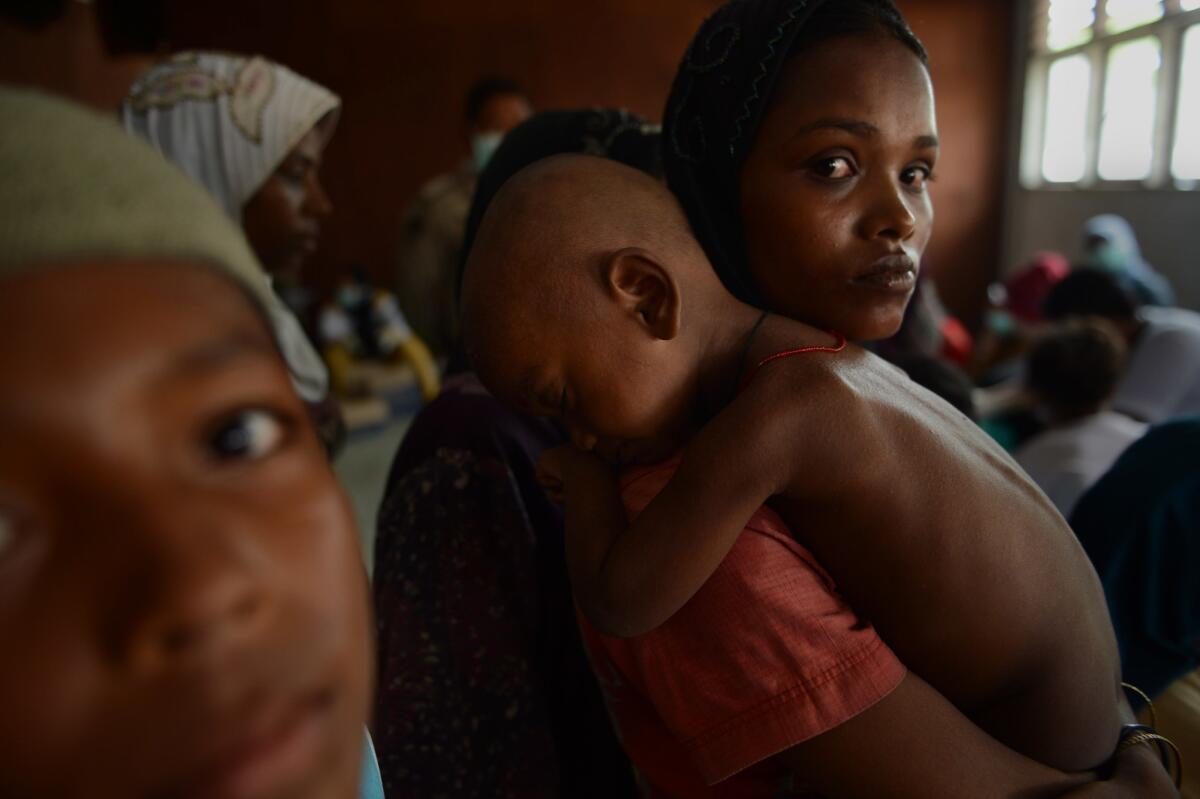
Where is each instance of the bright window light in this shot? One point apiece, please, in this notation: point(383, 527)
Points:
point(1122, 15)
point(1064, 148)
point(1130, 95)
point(1189, 5)
point(1070, 23)
point(1185, 160)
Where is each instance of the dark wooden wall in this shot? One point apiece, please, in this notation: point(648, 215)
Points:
point(402, 69)
point(969, 43)
point(403, 66)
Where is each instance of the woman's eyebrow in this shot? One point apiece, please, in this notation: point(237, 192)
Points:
point(858, 127)
point(853, 126)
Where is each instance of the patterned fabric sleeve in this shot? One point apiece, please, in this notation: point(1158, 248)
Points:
point(459, 711)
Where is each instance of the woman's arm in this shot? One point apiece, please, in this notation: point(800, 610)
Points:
point(914, 743)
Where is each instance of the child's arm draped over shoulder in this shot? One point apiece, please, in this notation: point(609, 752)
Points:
point(631, 577)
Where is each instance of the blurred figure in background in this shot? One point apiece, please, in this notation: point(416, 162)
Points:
point(1109, 244)
point(1071, 374)
point(89, 52)
point(485, 689)
point(1014, 313)
point(1140, 525)
point(1162, 378)
point(1010, 326)
point(252, 132)
point(363, 322)
point(432, 234)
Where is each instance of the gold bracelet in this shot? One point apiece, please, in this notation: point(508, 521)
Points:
point(1174, 768)
point(1144, 698)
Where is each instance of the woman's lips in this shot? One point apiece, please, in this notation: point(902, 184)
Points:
point(894, 274)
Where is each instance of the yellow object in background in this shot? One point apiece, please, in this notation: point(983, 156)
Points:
point(413, 351)
point(1178, 712)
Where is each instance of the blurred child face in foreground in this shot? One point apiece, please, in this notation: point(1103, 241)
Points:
point(182, 604)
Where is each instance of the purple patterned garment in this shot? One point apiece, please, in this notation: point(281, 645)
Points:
point(484, 689)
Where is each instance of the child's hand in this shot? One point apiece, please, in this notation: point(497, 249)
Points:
point(566, 468)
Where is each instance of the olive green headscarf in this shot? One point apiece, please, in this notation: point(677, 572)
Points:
point(75, 187)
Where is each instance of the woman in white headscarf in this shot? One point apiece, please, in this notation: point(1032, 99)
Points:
point(251, 132)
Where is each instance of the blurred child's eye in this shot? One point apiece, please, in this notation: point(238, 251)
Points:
point(833, 168)
point(248, 435)
point(916, 176)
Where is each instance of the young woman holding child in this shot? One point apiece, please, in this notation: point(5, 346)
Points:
point(800, 138)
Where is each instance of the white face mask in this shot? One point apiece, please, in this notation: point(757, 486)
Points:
point(483, 146)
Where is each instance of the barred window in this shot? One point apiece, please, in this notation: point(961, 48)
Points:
point(1112, 95)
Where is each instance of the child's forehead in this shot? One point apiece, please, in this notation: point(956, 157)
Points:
point(193, 316)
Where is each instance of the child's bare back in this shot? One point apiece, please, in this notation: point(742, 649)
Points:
point(935, 535)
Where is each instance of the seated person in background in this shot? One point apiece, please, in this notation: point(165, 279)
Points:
point(1162, 375)
point(481, 667)
point(365, 323)
point(183, 606)
point(432, 235)
point(252, 133)
point(1140, 525)
point(1110, 245)
point(587, 299)
point(1013, 316)
point(1010, 325)
point(1072, 372)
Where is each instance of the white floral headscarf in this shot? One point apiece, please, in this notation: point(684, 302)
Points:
point(227, 121)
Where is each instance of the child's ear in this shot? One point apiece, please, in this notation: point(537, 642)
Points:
point(641, 286)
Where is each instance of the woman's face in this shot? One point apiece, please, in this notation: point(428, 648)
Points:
point(834, 196)
point(283, 219)
point(183, 609)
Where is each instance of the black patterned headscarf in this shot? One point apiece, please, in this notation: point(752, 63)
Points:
point(717, 102)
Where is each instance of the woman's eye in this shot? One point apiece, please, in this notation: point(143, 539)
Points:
point(834, 168)
point(916, 176)
point(248, 435)
point(296, 173)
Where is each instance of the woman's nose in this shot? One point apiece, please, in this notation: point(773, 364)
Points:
point(890, 216)
point(316, 201)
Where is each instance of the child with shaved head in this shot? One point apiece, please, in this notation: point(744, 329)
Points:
point(586, 299)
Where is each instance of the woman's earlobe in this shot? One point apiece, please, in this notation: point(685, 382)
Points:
point(639, 282)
